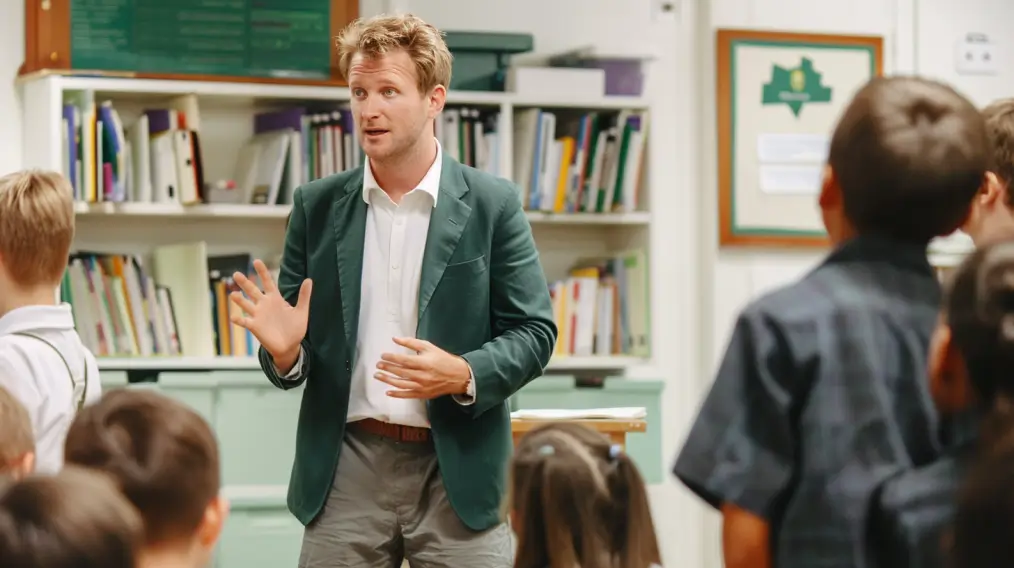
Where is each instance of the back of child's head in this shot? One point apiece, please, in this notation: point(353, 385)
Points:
point(17, 442)
point(74, 519)
point(163, 456)
point(979, 310)
point(999, 116)
point(982, 532)
point(908, 155)
point(36, 227)
point(577, 500)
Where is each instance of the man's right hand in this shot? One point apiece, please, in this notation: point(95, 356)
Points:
point(277, 325)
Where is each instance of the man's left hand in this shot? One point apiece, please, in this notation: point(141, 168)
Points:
point(430, 373)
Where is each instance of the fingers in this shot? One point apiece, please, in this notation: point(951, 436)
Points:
point(241, 301)
point(248, 287)
point(303, 301)
point(407, 361)
point(266, 280)
point(241, 321)
point(396, 382)
point(412, 343)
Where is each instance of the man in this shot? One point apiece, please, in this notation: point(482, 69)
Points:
point(993, 209)
point(428, 309)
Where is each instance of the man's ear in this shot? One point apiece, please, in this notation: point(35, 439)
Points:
point(438, 97)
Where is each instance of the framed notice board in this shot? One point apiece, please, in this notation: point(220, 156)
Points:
point(281, 41)
point(778, 98)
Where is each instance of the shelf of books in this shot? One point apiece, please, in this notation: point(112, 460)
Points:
point(180, 184)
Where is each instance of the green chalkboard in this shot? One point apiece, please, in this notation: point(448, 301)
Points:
point(244, 38)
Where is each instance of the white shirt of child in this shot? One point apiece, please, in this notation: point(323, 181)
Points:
point(35, 375)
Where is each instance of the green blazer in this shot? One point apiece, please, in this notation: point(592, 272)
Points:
point(482, 295)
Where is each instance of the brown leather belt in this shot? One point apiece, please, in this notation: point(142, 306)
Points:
point(393, 431)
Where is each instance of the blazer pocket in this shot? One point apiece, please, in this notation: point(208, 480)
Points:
point(465, 269)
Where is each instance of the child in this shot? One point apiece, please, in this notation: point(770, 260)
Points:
point(984, 520)
point(17, 447)
point(42, 360)
point(822, 394)
point(993, 208)
point(164, 458)
point(74, 519)
point(577, 501)
point(971, 370)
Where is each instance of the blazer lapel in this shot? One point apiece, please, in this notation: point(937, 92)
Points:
point(446, 224)
point(350, 236)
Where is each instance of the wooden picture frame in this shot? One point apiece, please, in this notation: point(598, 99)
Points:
point(778, 96)
point(48, 47)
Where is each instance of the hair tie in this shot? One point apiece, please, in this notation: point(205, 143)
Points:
point(614, 452)
point(547, 450)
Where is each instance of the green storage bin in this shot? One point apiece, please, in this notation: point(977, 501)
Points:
point(645, 448)
point(113, 379)
point(260, 531)
point(481, 59)
point(197, 390)
point(256, 426)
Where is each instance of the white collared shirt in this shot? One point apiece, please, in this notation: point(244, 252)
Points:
point(34, 374)
point(395, 241)
point(389, 295)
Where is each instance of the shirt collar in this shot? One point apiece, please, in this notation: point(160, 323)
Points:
point(29, 318)
point(877, 248)
point(430, 183)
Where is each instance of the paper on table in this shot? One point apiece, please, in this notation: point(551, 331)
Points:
point(619, 413)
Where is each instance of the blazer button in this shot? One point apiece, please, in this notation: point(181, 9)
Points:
point(348, 366)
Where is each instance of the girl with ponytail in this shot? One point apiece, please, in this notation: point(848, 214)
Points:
point(577, 501)
point(971, 367)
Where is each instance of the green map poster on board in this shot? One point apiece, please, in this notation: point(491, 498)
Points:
point(247, 38)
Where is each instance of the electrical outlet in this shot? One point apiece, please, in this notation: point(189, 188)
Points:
point(975, 55)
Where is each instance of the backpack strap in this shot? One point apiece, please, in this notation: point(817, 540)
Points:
point(70, 374)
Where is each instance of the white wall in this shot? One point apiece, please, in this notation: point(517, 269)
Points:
point(697, 289)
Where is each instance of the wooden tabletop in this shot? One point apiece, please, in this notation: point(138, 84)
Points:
point(605, 425)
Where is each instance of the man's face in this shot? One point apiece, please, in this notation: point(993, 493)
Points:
point(391, 115)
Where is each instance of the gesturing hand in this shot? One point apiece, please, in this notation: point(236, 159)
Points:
point(430, 373)
point(276, 324)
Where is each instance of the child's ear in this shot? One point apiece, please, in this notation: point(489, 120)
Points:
point(830, 193)
point(215, 516)
point(947, 376)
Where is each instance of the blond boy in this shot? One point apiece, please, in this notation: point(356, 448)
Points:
point(17, 447)
point(43, 362)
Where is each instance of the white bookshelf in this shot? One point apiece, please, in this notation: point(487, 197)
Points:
point(226, 110)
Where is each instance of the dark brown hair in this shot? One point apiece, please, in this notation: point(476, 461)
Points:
point(16, 437)
point(909, 155)
point(999, 116)
point(579, 501)
point(161, 453)
point(74, 519)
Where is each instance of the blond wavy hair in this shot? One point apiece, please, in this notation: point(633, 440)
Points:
point(379, 35)
point(36, 226)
